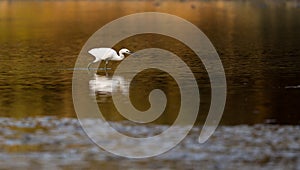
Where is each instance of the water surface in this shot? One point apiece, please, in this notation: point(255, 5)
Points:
point(55, 143)
point(258, 43)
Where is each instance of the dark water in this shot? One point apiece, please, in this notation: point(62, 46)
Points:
point(258, 43)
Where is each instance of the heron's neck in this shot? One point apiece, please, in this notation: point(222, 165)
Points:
point(121, 56)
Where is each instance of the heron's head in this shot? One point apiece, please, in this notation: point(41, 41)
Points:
point(124, 51)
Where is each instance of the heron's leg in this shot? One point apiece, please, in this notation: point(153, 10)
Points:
point(106, 62)
point(89, 65)
point(95, 61)
point(106, 73)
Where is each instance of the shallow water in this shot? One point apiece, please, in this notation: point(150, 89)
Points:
point(51, 142)
point(258, 43)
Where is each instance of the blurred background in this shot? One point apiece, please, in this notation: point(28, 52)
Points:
point(258, 43)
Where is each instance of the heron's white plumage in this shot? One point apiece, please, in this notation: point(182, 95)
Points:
point(103, 54)
point(107, 54)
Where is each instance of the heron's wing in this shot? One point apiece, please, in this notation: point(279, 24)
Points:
point(102, 53)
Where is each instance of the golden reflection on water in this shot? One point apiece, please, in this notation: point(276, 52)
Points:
point(257, 42)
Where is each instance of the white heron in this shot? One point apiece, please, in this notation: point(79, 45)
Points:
point(107, 54)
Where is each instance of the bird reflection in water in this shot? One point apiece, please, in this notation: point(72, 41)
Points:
point(103, 86)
